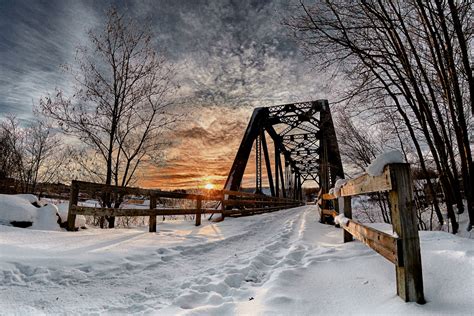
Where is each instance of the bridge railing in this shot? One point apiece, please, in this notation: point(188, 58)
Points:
point(232, 203)
point(402, 249)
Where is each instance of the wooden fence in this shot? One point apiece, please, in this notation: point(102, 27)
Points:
point(232, 203)
point(403, 250)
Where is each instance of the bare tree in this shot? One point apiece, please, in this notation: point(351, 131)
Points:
point(10, 157)
point(404, 57)
point(121, 105)
point(358, 147)
point(38, 145)
point(30, 152)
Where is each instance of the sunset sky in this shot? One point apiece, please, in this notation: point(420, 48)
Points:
point(231, 56)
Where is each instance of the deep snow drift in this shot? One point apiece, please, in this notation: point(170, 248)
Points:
point(277, 263)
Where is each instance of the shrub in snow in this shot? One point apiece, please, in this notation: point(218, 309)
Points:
point(15, 208)
point(47, 218)
point(24, 210)
point(377, 166)
point(29, 197)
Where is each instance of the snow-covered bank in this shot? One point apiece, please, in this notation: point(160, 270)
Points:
point(278, 263)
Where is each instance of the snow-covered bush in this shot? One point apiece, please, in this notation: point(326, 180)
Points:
point(24, 210)
point(46, 218)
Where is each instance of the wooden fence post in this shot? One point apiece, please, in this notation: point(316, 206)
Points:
point(73, 199)
point(347, 213)
point(152, 220)
point(223, 206)
point(404, 221)
point(198, 209)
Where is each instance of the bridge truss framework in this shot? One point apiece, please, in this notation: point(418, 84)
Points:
point(305, 149)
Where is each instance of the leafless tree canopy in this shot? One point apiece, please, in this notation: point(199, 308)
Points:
point(121, 104)
point(30, 154)
point(409, 65)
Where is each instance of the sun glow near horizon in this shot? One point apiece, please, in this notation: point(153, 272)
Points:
point(209, 186)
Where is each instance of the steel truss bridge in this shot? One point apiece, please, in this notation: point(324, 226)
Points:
point(305, 149)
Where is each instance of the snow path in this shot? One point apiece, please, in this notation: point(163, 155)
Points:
point(277, 263)
point(134, 271)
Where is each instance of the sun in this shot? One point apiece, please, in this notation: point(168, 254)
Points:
point(209, 186)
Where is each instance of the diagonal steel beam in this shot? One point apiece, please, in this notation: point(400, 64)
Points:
point(257, 121)
point(267, 162)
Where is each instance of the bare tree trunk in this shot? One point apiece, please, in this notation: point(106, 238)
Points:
point(463, 47)
point(462, 134)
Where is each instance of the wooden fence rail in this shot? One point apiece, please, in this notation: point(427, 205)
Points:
point(232, 203)
point(403, 250)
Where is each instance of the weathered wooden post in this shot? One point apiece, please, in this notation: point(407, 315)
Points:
point(73, 199)
point(347, 213)
point(198, 211)
point(404, 221)
point(223, 206)
point(152, 220)
point(335, 205)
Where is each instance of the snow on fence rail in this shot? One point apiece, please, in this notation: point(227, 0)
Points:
point(402, 250)
point(240, 203)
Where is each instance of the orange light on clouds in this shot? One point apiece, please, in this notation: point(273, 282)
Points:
point(202, 150)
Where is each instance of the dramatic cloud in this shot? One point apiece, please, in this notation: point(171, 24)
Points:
point(230, 56)
point(35, 39)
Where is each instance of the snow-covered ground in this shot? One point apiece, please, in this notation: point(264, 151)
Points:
point(278, 263)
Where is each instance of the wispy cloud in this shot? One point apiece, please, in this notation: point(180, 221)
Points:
point(35, 39)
